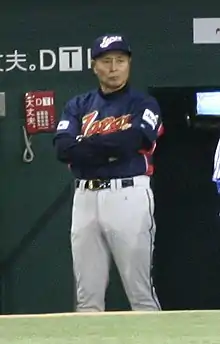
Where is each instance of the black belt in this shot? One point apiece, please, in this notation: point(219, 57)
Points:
point(98, 184)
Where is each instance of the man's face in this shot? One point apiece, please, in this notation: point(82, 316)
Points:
point(112, 69)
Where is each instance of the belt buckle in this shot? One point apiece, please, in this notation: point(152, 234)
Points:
point(91, 184)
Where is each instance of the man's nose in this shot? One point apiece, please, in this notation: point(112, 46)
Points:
point(113, 65)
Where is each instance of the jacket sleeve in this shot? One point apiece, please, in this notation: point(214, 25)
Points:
point(146, 127)
point(69, 149)
point(216, 167)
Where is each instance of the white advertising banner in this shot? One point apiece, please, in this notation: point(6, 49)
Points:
point(206, 30)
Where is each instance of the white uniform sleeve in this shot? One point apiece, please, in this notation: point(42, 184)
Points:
point(216, 169)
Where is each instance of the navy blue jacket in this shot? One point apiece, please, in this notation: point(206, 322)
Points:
point(109, 135)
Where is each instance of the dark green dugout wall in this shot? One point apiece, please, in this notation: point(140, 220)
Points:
point(35, 199)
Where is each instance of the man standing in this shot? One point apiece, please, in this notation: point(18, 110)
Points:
point(108, 136)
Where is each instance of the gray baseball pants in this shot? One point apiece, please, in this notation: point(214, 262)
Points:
point(121, 221)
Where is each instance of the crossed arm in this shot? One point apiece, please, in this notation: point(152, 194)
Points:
point(100, 149)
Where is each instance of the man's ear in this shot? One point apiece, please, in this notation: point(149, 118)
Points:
point(93, 65)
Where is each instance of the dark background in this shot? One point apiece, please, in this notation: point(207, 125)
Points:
point(35, 199)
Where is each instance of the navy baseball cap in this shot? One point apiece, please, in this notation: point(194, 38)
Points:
point(107, 43)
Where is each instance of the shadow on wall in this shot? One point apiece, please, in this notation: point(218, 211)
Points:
point(187, 255)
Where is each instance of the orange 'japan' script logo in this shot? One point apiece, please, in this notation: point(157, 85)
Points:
point(91, 126)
